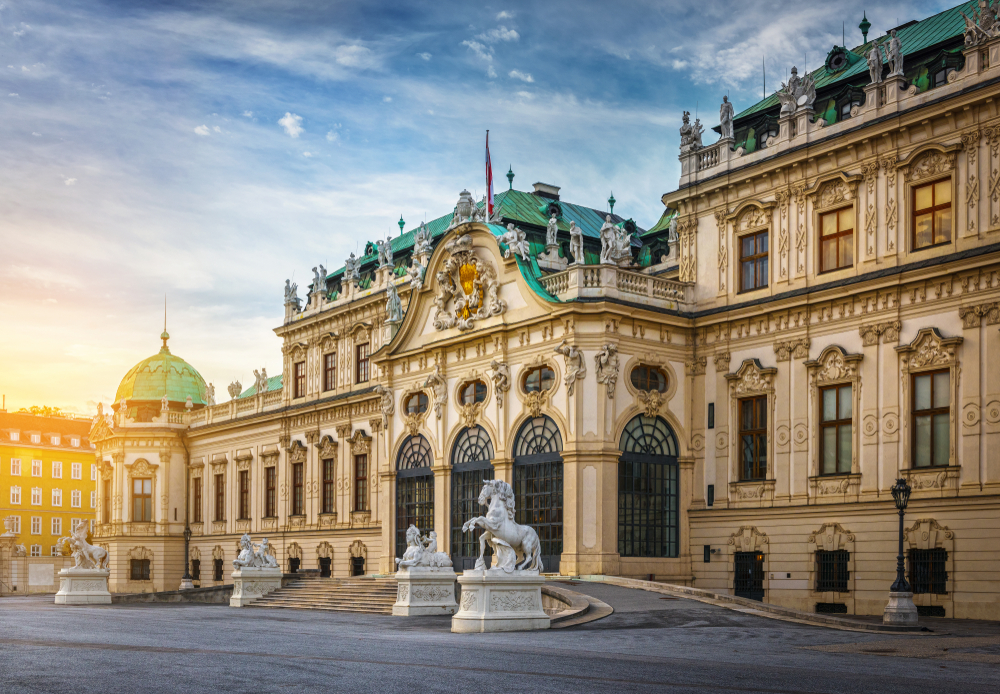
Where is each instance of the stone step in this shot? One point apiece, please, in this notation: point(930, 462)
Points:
point(373, 596)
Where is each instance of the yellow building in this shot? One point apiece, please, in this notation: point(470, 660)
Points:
point(48, 478)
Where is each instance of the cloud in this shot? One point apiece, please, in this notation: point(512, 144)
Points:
point(332, 136)
point(490, 72)
point(387, 99)
point(504, 15)
point(354, 56)
point(12, 94)
point(484, 53)
point(216, 128)
point(523, 76)
point(679, 64)
point(292, 124)
point(424, 56)
point(307, 154)
point(71, 181)
point(248, 114)
point(202, 130)
point(37, 134)
point(500, 33)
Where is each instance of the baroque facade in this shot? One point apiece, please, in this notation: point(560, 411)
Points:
point(722, 400)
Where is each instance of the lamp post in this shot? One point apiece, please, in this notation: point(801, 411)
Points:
point(900, 610)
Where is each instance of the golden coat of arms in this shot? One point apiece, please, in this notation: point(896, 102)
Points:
point(468, 288)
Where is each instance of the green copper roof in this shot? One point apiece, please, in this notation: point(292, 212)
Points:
point(913, 39)
point(273, 383)
point(163, 373)
point(663, 223)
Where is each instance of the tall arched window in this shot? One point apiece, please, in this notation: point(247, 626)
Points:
point(471, 465)
point(648, 489)
point(538, 485)
point(414, 489)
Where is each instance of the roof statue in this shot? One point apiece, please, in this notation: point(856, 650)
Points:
point(351, 273)
point(254, 556)
point(416, 273)
point(672, 231)
point(799, 93)
point(690, 134)
point(234, 389)
point(209, 396)
point(894, 55)
point(260, 381)
point(422, 240)
point(384, 253)
point(616, 243)
point(86, 555)
point(319, 279)
point(470, 284)
point(875, 64)
point(463, 209)
point(292, 294)
point(422, 551)
point(508, 540)
point(726, 119)
point(552, 231)
point(393, 306)
point(516, 241)
point(164, 403)
point(983, 25)
point(576, 244)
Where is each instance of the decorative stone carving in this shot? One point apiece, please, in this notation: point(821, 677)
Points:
point(393, 305)
point(234, 389)
point(384, 249)
point(784, 350)
point(606, 365)
point(726, 119)
point(929, 164)
point(576, 368)
point(752, 379)
point(327, 448)
point(351, 272)
point(983, 26)
point(260, 381)
point(422, 240)
point(834, 193)
point(508, 540)
point(466, 210)
point(929, 349)
point(292, 294)
point(831, 537)
point(799, 93)
point(501, 379)
point(85, 555)
point(385, 402)
point(254, 556)
point(834, 365)
point(516, 242)
point(748, 539)
point(927, 533)
point(437, 382)
point(616, 244)
point(416, 273)
point(690, 134)
point(535, 401)
point(469, 283)
point(972, 316)
point(422, 551)
point(576, 244)
point(722, 360)
point(894, 55)
point(888, 330)
point(687, 250)
point(695, 366)
point(360, 443)
point(651, 400)
point(297, 452)
point(875, 64)
point(552, 231)
point(425, 577)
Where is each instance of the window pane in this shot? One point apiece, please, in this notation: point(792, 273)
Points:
point(942, 192)
point(762, 243)
point(137, 486)
point(942, 226)
point(829, 404)
point(846, 251)
point(748, 282)
point(922, 392)
point(923, 197)
point(762, 272)
point(147, 486)
point(746, 243)
point(922, 442)
point(941, 395)
point(922, 231)
point(829, 450)
point(829, 224)
point(844, 459)
point(845, 402)
point(829, 252)
point(846, 219)
point(531, 382)
point(941, 439)
point(548, 376)
point(761, 412)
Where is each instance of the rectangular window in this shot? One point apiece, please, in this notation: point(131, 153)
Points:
point(76, 471)
point(76, 498)
point(93, 472)
point(711, 415)
point(139, 569)
point(217, 570)
point(56, 440)
point(196, 569)
point(196, 499)
point(15, 436)
point(361, 483)
point(931, 419)
point(36, 496)
point(57, 526)
point(244, 494)
point(753, 438)
point(270, 487)
point(106, 506)
point(17, 525)
point(297, 482)
point(300, 379)
point(74, 442)
point(56, 470)
point(36, 525)
point(932, 214)
point(93, 499)
point(330, 371)
point(36, 550)
point(836, 239)
point(57, 497)
point(927, 571)
point(831, 571)
point(362, 363)
point(15, 467)
point(142, 500)
point(54, 551)
point(753, 261)
point(835, 429)
point(36, 438)
point(220, 497)
point(329, 486)
point(36, 468)
point(15, 495)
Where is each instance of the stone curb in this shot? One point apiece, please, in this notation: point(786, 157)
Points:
point(748, 606)
point(582, 609)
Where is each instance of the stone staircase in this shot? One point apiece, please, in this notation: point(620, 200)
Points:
point(362, 594)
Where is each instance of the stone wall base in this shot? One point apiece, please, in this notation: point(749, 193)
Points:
point(425, 591)
point(493, 600)
point(83, 587)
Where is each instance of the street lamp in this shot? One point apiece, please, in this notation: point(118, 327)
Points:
point(900, 609)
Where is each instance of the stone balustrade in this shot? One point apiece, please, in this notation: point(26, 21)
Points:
point(612, 282)
point(234, 409)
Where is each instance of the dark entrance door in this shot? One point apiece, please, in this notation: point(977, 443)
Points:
point(538, 486)
point(648, 489)
point(470, 466)
point(748, 577)
point(324, 567)
point(414, 489)
point(357, 566)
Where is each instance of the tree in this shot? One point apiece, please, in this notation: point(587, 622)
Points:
point(43, 410)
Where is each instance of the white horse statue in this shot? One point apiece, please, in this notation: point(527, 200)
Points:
point(508, 539)
point(86, 555)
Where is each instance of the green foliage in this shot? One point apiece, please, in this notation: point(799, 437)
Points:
point(43, 410)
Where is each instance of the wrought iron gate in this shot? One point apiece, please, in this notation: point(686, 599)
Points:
point(414, 489)
point(748, 576)
point(471, 465)
point(538, 486)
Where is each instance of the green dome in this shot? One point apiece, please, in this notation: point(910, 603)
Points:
point(163, 373)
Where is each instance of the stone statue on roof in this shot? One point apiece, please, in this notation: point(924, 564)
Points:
point(291, 293)
point(799, 93)
point(982, 26)
point(235, 388)
point(607, 241)
point(726, 119)
point(672, 230)
point(875, 64)
point(894, 55)
point(384, 252)
point(416, 273)
point(164, 403)
point(393, 306)
point(210, 395)
point(422, 241)
point(516, 241)
point(552, 231)
point(576, 244)
point(319, 278)
point(690, 137)
point(351, 273)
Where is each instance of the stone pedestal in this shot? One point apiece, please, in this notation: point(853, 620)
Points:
point(83, 587)
point(900, 611)
point(493, 600)
point(550, 260)
point(186, 584)
point(425, 590)
point(249, 584)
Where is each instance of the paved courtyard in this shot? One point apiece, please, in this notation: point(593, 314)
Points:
point(650, 643)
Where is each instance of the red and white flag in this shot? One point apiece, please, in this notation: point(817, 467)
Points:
point(489, 180)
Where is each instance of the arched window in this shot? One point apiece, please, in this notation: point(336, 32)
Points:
point(538, 379)
point(648, 489)
point(416, 404)
point(471, 465)
point(472, 392)
point(538, 485)
point(645, 377)
point(414, 489)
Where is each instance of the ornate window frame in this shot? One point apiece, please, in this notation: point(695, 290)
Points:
point(834, 367)
point(750, 217)
point(414, 422)
point(472, 412)
point(141, 468)
point(140, 553)
point(751, 379)
point(748, 539)
point(832, 537)
point(927, 533)
point(930, 351)
point(926, 165)
point(536, 401)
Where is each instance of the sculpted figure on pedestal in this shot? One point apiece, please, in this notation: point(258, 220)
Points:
point(319, 279)
point(509, 540)
point(422, 551)
point(552, 231)
point(235, 388)
point(393, 305)
point(726, 119)
point(384, 253)
point(422, 240)
point(351, 273)
point(894, 55)
point(516, 241)
point(86, 555)
point(576, 243)
point(292, 294)
point(875, 64)
point(254, 556)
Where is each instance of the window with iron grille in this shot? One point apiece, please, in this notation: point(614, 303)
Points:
point(753, 438)
point(362, 363)
point(831, 571)
point(300, 379)
point(329, 487)
point(217, 570)
point(330, 371)
point(196, 569)
point(270, 487)
point(220, 497)
point(471, 465)
point(927, 571)
point(298, 502)
point(647, 489)
point(361, 482)
point(139, 569)
point(538, 485)
point(748, 576)
point(244, 482)
point(414, 489)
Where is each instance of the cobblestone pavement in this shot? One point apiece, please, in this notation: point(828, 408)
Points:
point(649, 644)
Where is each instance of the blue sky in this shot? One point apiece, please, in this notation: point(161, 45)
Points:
point(208, 150)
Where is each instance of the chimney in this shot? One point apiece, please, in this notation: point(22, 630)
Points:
point(544, 190)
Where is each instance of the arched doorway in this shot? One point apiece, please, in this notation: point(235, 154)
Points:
point(538, 485)
point(471, 465)
point(648, 515)
point(414, 489)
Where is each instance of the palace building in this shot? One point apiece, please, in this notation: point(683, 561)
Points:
point(721, 400)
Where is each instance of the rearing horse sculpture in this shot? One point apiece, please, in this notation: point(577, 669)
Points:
point(507, 538)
